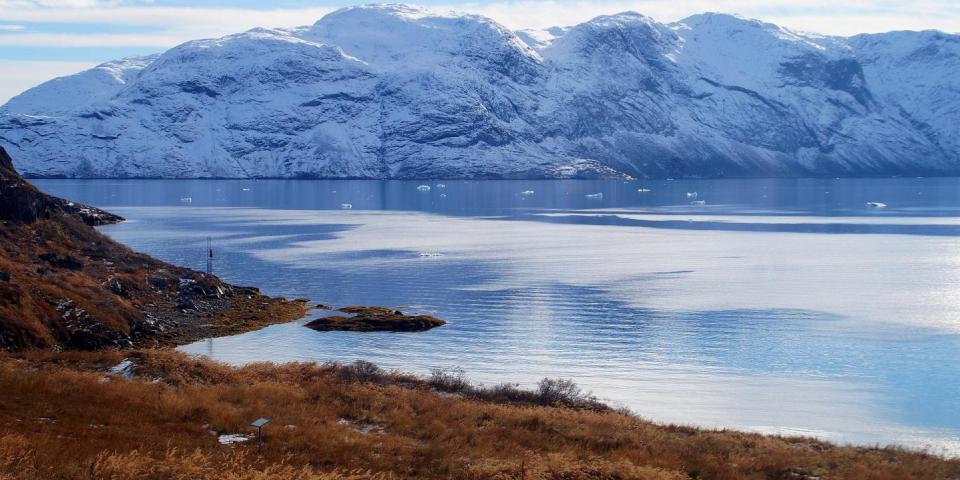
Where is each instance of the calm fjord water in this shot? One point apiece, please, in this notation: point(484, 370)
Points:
point(786, 306)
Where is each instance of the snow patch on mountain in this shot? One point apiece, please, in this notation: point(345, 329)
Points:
point(393, 91)
point(62, 95)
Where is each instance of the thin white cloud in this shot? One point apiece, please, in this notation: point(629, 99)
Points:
point(163, 26)
point(173, 18)
point(22, 75)
point(11, 28)
point(93, 40)
point(67, 3)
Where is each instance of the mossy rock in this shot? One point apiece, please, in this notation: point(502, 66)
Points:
point(375, 319)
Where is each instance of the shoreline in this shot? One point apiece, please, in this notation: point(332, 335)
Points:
point(944, 446)
point(65, 285)
point(237, 316)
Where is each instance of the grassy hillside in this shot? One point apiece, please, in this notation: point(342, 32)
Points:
point(63, 415)
point(64, 284)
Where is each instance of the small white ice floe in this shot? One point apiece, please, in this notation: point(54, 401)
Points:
point(431, 254)
point(876, 205)
point(692, 194)
point(440, 185)
point(443, 195)
point(424, 188)
point(597, 196)
point(346, 206)
point(698, 202)
point(245, 189)
point(186, 200)
point(124, 369)
point(527, 193)
point(644, 190)
point(232, 438)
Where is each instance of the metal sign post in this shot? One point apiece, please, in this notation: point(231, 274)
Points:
point(258, 424)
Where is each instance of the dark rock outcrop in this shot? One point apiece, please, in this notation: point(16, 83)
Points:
point(68, 262)
point(375, 319)
point(22, 202)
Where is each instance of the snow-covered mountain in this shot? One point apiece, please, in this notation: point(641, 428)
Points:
point(392, 91)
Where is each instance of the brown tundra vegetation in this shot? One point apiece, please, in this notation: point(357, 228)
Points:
point(67, 416)
point(65, 285)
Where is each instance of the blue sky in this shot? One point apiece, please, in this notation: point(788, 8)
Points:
point(42, 39)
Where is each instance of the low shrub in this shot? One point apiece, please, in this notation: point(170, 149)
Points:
point(360, 371)
point(451, 380)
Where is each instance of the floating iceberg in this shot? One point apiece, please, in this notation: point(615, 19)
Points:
point(876, 205)
point(440, 185)
point(698, 202)
point(186, 200)
point(692, 194)
point(245, 189)
point(643, 190)
point(346, 206)
point(597, 196)
point(431, 254)
point(424, 188)
point(527, 193)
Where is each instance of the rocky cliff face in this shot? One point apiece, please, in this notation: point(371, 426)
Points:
point(63, 284)
point(400, 92)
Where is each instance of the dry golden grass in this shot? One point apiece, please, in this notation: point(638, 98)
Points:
point(62, 417)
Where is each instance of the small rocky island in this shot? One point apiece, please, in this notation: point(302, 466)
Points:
point(375, 319)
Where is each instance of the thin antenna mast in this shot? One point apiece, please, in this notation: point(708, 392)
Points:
point(209, 256)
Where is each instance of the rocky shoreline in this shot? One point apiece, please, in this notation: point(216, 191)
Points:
point(64, 285)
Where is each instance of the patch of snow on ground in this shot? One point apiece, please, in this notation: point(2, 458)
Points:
point(232, 438)
point(124, 369)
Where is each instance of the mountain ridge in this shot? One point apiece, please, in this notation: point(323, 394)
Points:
point(394, 91)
